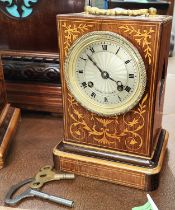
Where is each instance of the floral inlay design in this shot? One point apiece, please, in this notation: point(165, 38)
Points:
point(72, 32)
point(18, 8)
point(142, 37)
point(107, 133)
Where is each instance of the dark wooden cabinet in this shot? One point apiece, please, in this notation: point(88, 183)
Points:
point(33, 80)
point(28, 44)
point(9, 117)
point(37, 31)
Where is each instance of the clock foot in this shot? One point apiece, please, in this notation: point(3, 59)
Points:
point(142, 174)
point(8, 123)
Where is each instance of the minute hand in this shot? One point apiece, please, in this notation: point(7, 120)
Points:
point(95, 64)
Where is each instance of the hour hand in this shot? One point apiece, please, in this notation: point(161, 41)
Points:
point(119, 84)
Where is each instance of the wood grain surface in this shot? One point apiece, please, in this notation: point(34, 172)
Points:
point(32, 95)
point(36, 33)
point(9, 118)
point(3, 96)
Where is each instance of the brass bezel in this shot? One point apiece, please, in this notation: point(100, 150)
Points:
point(80, 96)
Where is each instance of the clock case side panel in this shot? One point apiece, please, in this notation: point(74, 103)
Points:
point(160, 82)
point(61, 57)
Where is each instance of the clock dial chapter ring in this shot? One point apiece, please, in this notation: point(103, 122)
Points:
point(101, 79)
point(105, 74)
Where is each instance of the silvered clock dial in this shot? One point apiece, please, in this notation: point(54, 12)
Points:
point(105, 73)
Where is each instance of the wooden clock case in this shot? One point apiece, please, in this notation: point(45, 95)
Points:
point(127, 149)
point(9, 117)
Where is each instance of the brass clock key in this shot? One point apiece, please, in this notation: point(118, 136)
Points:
point(46, 174)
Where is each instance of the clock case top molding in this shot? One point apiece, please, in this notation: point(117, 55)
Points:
point(133, 137)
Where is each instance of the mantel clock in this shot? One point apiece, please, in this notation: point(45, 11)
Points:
point(113, 71)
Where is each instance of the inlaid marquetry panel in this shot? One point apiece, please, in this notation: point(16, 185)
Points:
point(115, 175)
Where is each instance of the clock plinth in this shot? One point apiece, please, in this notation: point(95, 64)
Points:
point(113, 72)
point(117, 168)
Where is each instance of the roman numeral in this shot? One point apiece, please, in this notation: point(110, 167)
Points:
point(105, 99)
point(92, 50)
point(131, 75)
point(104, 47)
point(93, 94)
point(127, 61)
point(83, 59)
point(117, 51)
point(119, 98)
point(127, 88)
point(80, 71)
point(84, 84)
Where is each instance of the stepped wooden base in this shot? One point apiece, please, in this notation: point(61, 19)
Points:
point(8, 123)
point(145, 177)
